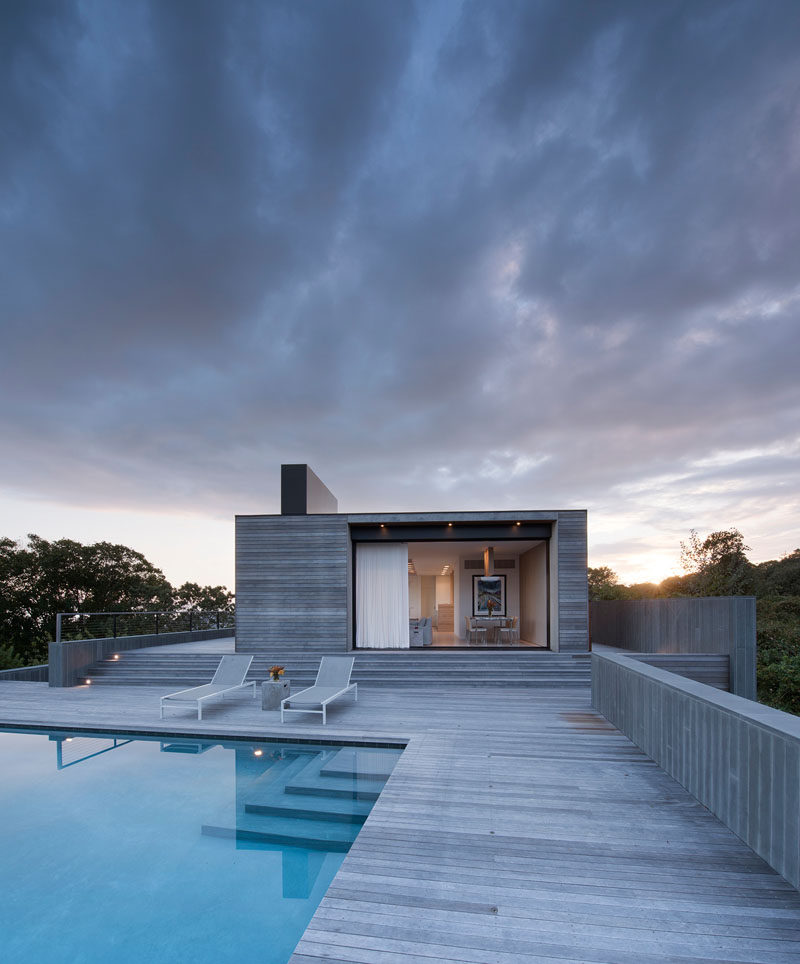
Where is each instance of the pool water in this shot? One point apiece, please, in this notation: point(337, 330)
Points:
point(115, 849)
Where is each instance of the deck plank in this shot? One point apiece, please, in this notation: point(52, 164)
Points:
point(517, 826)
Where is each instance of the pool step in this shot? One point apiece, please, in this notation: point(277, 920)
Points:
point(366, 763)
point(289, 831)
point(337, 809)
point(312, 788)
point(316, 799)
point(311, 782)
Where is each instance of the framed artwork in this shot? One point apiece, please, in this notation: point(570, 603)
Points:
point(488, 595)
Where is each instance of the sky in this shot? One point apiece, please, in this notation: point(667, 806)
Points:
point(453, 255)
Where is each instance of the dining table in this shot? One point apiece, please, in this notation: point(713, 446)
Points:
point(492, 625)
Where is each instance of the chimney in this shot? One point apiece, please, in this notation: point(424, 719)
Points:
point(304, 493)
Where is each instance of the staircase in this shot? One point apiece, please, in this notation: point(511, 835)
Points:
point(316, 799)
point(417, 668)
point(445, 623)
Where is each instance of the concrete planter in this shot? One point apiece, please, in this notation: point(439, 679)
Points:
point(272, 692)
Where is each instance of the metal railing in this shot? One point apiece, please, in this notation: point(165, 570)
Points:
point(194, 617)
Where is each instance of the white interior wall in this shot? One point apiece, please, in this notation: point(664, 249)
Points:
point(444, 590)
point(533, 595)
point(414, 597)
point(427, 595)
point(457, 616)
point(554, 589)
point(463, 606)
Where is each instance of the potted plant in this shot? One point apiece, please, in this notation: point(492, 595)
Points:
point(274, 689)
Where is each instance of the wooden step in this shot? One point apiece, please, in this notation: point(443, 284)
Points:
point(445, 622)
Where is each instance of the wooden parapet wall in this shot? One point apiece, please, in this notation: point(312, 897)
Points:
point(69, 659)
point(711, 669)
point(26, 674)
point(724, 624)
point(738, 758)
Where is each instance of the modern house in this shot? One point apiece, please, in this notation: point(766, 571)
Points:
point(316, 579)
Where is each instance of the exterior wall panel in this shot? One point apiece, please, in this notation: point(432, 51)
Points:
point(292, 583)
point(572, 586)
point(723, 624)
point(294, 579)
point(738, 758)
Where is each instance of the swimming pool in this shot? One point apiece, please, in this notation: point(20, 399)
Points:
point(117, 849)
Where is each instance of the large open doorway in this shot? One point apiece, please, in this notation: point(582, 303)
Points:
point(444, 581)
point(458, 593)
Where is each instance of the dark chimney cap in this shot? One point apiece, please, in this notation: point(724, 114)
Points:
point(304, 493)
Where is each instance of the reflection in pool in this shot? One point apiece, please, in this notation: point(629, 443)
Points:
point(117, 849)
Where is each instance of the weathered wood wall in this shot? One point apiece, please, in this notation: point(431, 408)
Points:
point(724, 624)
point(711, 669)
point(69, 659)
point(292, 583)
point(573, 589)
point(738, 758)
point(26, 674)
point(294, 579)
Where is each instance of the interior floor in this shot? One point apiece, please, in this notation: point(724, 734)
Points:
point(452, 639)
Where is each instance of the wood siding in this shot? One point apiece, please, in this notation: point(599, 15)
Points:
point(294, 578)
point(712, 670)
point(292, 583)
point(69, 659)
point(738, 758)
point(723, 624)
point(573, 587)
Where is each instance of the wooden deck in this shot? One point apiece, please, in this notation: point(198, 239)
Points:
point(518, 826)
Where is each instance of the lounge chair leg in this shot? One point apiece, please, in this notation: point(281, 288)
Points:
point(199, 711)
point(324, 708)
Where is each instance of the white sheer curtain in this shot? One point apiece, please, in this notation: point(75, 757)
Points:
point(382, 596)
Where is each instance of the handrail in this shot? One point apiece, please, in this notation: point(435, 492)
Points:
point(191, 613)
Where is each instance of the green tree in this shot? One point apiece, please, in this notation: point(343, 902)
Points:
point(779, 577)
point(42, 578)
point(778, 630)
point(191, 597)
point(603, 584)
point(717, 565)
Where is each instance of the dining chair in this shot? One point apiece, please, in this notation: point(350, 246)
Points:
point(477, 633)
point(509, 632)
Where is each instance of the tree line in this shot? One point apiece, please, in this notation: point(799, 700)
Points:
point(41, 578)
point(718, 566)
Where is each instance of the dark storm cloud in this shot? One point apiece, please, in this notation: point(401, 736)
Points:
point(448, 253)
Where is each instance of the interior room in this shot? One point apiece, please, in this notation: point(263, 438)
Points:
point(443, 579)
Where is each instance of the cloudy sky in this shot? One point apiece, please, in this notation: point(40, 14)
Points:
point(454, 255)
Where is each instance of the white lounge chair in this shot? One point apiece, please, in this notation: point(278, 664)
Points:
point(228, 678)
point(333, 681)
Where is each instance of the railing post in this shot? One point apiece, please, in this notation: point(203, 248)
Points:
point(217, 619)
point(58, 627)
point(157, 624)
point(190, 620)
point(115, 626)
